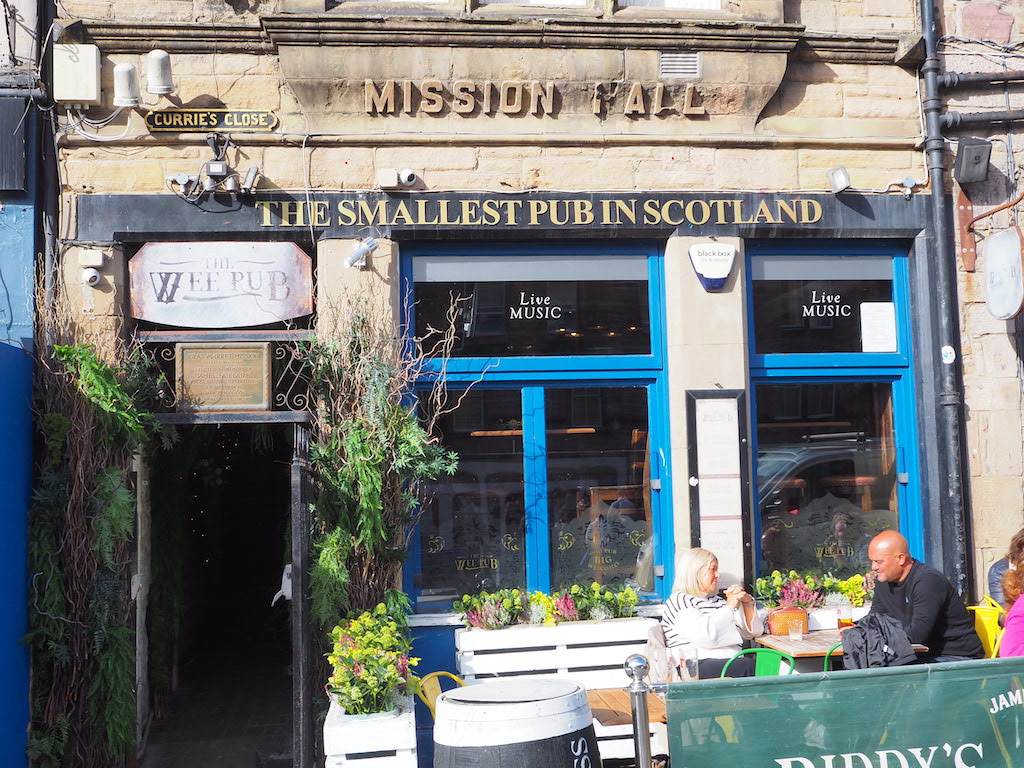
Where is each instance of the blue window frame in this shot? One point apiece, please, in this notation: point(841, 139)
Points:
point(835, 433)
point(550, 385)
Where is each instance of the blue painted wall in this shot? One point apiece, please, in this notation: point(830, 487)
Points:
point(435, 647)
point(17, 253)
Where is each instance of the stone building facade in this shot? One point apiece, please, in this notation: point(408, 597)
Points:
point(677, 153)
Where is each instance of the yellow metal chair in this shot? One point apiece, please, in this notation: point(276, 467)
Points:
point(986, 624)
point(430, 687)
point(990, 602)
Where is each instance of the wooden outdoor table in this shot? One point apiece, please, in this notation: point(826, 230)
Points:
point(612, 706)
point(813, 644)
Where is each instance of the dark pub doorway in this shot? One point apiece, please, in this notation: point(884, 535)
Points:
point(219, 653)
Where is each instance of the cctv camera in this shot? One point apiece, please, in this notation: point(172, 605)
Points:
point(407, 177)
point(91, 277)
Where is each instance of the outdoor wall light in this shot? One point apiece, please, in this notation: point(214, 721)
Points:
point(362, 249)
point(158, 79)
point(838, 179)
point(126, 86)
point(158, 73)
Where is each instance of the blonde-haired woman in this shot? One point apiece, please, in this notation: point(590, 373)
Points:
point(700, 624)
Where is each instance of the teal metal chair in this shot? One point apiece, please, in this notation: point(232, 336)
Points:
point(828, 656)
point(768, 662)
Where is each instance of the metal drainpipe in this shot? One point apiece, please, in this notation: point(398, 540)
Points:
point(952, 514)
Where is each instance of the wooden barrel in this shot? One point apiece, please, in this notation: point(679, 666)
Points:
point(518, 723)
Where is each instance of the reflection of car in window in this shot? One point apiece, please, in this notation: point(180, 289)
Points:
point(821, 502)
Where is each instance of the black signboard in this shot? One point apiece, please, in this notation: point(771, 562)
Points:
point(290, 215)
point(203, 120)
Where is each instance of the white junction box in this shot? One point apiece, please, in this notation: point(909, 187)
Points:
point(91, 258)
point(76, 74)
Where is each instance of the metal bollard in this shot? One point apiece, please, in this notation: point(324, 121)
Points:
point(637, 667)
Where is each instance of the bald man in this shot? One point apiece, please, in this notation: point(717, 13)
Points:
point(923, 600)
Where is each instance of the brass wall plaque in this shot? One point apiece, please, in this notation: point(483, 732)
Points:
point(222, 377)
point(203, 120)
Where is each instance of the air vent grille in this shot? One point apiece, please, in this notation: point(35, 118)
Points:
point(680, 65)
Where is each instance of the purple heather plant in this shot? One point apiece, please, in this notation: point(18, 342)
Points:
point(565, 608)
point(797, 593)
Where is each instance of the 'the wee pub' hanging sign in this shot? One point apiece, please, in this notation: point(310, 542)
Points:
point(220, 285)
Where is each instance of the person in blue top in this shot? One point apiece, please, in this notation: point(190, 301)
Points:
point(999, 567)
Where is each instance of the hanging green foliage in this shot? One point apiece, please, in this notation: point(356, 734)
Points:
point(112, 693)
point(371, 451)
point(114, 522)
point(99, 383)
point(81, 528)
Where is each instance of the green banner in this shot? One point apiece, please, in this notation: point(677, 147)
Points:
point(963, 715)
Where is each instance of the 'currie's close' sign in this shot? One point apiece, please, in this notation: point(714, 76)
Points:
point(220, 285)
point(203, 120)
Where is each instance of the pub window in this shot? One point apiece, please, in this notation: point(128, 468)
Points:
point(820, 304)
point(542, 305)
point(586, 447)
point(833, 405)
point(562, 434)
point(826, 474)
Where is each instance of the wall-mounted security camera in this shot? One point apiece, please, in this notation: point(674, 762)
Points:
point(392, 178)
point(91, 277)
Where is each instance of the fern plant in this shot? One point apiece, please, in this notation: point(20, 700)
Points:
point(372, 454)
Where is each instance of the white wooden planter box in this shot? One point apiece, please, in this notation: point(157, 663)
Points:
point(589, 652)
point(860, 613)
point(389, 737)
point(822, 618)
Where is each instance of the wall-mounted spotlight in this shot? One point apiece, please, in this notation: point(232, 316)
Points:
point(358, 256)
point(251, 179)
point(838, 179)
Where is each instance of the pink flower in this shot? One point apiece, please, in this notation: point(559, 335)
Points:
point(799, 594)
point(565, 608)
point(358, 669)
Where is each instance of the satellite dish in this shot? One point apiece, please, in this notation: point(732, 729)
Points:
point(1004, 285)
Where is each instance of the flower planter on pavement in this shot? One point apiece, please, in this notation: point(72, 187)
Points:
point(588, 652)
point(389, 736)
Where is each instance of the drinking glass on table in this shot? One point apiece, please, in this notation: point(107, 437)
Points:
point(845, 616)
point(796, 631)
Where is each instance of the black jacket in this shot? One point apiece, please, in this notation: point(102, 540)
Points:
point(876, 640)
point(931, 611)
